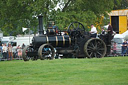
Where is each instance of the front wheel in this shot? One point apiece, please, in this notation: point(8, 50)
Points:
point(24, 53)
point(95, 48)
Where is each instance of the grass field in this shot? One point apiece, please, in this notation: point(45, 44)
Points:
point(103, 71)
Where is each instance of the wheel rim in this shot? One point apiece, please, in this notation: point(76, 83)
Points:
point(75, 25)
point(46, 51)
point(95, 48)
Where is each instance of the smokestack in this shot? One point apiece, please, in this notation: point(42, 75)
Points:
point(41, 31)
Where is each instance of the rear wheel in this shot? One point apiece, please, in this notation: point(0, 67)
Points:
point(46, 51)
point(95, 48)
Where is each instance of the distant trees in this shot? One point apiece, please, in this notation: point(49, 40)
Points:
point(120, 4)
point(15, 14)
point(84, 11)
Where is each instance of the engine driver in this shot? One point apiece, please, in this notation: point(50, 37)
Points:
point(93, 31)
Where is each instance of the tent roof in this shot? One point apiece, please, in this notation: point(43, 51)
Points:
point(123, 12)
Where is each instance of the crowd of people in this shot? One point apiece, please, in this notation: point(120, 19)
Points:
point(8, 52)
point(124, 49)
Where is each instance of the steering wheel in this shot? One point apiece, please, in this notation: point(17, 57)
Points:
point(75, 29)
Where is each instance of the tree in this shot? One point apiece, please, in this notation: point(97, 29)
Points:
point(85, 11)
point(120, 4)
point(16, 14)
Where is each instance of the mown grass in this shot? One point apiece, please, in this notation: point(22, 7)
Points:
point(103, 71)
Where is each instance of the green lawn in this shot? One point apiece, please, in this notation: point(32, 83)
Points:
point(103, 71)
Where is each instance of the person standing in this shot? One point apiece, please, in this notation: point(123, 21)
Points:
point(2, 50)
point(114, 49)
point(110, 32)
point(124, 48)
point(93, 31)
point(5, 49)
point(127, 47)
point(10, 51)
point(23, 45)
point(19, 51)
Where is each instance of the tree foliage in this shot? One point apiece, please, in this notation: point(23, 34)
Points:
point(120, 4)
point(85, 11)
point(15, 14)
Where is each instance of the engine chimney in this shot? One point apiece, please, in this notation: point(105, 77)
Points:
point(41, 31)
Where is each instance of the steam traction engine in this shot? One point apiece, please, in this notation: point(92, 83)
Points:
point(76, 44)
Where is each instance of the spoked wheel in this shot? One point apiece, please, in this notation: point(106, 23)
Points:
point(24, 53)
point(95, 48)
point(46, 51)
point(75, 29)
